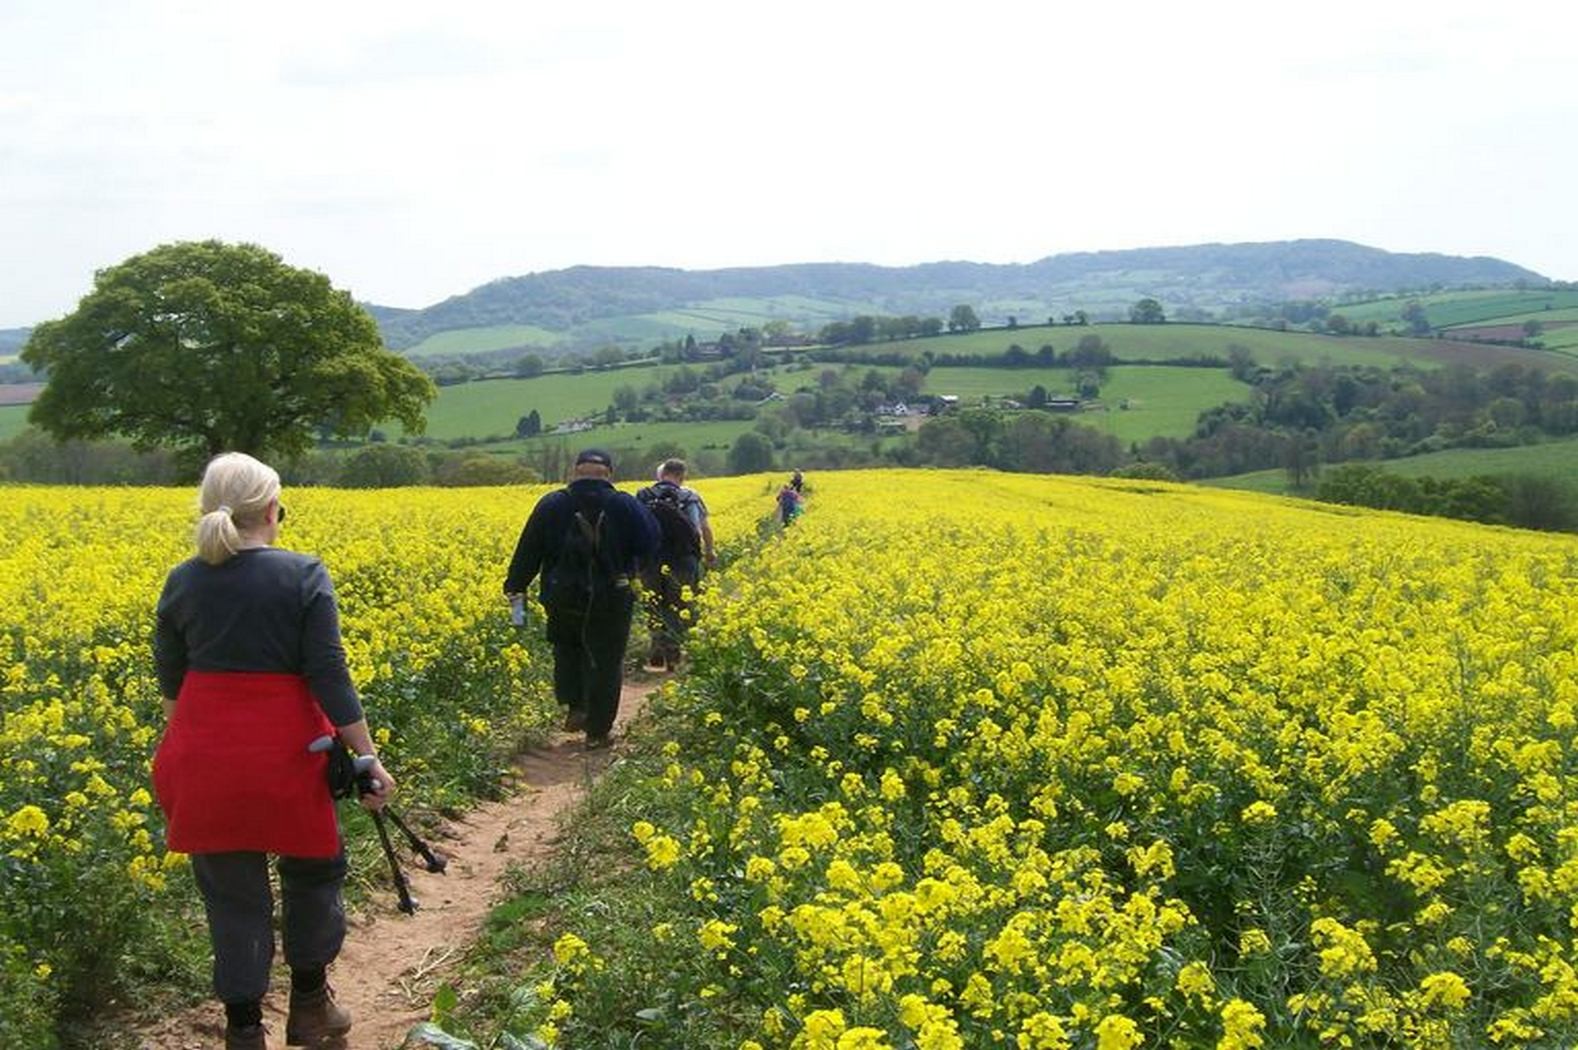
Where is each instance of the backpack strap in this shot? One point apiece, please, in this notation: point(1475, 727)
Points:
point(588, 517)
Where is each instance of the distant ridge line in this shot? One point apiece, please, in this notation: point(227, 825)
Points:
point(1207, 276)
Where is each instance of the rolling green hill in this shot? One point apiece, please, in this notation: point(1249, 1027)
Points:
point(585, 304)
point(492, 407)
point(1449, 309)
point(705, 320)
point(1161, 400)
point(1269, 347)
point(476, 340)
point(1164, 400)
point(1556, 459)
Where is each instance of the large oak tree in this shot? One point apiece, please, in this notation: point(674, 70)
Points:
point(216, 347)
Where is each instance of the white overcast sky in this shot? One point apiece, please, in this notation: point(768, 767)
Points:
point(414, 151)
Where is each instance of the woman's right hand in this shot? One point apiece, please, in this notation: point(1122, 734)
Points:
point(378, 775)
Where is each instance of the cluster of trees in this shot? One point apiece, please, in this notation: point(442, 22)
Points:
point(865, 329)
point(692, 393)
point(846, 399)
point(1092, 351)
point(36, 458)
point(1147, 311)
point(868, 328)
point(1313, 315)
point(1028, 442)
point(1299, 417)
point(207, 347)
point(1527, 501)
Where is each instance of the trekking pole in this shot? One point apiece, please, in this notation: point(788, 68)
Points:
point(407, 905)
point(432, 861)
point(349, 775)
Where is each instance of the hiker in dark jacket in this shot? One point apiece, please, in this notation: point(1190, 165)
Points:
point(586, 542)
point(670, 579)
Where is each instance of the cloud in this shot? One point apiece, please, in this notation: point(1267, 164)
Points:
point(412, 149)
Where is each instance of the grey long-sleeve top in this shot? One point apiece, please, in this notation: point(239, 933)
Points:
point(263, 610)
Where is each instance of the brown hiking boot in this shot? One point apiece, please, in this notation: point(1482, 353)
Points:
point(247, 1037)
point(574, 720)
point(315, 1018)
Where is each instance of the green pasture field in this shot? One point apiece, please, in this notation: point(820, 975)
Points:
point(705, 319)
point(788, 380)
point(713, 317)
point(13, 418)
point(643, 330)
point(716, 436)
point(1164, 400)
point(692, 437)
point(1553, 459)
point(1490, 308)
point(1569, 313)
point(741, 311)
point(1561, 340)
point(1390, 308)
point(478, 340)
point(493, 406)
point(1267, 346)
point(1446, 309)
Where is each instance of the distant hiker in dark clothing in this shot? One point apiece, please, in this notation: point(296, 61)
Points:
point(797, 482)
point(248, 652)
point(790, 504)
point(684, 548)
point(586, 541)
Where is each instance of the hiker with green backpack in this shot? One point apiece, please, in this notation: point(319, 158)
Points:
point(586, 542)
point(685, 549)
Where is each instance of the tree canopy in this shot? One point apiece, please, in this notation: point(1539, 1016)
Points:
point(214, 347)
point(1147, 311)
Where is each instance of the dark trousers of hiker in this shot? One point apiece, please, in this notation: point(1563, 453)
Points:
point(240, 905)
point(589, 661)
point(668, 610)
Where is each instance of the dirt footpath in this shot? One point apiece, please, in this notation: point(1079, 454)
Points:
point(391, 962)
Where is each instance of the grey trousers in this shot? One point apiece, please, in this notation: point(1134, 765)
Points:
point(240, 905)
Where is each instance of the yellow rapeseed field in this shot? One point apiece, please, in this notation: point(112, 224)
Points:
point(977, 760)
point(964, 760)
point(84, 880)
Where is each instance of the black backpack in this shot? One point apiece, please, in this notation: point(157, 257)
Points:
point(583, 577)
point(680, 538)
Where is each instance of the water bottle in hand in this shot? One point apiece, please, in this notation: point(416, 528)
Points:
point(518, 610)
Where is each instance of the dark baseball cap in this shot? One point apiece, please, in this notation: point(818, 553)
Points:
point(595, 455)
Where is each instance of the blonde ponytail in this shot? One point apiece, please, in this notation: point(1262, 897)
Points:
point(217, 536)
point(235, 493)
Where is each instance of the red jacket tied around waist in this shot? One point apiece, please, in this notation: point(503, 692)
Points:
point(233, 771)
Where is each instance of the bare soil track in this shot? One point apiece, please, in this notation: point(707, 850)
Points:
point(391, 963)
